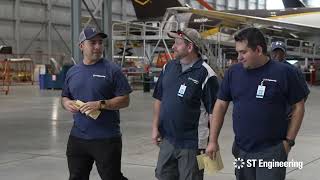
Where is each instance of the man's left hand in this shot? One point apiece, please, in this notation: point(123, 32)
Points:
point(286, 146)
point(89, 107)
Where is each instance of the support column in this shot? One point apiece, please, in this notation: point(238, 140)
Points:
point(226, 4)
point(124, 10)
point(49, 28)
point(75, 29)
point(17, 26)
point(107, 26)
point(214, 4)
point(237, 5)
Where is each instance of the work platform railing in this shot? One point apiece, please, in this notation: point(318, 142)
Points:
point(148, 38)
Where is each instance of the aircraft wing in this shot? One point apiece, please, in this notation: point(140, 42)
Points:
point(237, 19)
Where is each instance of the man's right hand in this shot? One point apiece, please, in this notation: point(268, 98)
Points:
point(211, 149)
point(156, 138)
point(69, 106)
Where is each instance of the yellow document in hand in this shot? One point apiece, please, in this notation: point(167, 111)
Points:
point(200, 161)
point(93, 115)
point(210, 166)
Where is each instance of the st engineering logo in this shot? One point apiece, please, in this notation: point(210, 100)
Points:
point(240, 163)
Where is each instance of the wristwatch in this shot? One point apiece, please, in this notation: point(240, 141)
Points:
point(290, 142)
point(102, 103)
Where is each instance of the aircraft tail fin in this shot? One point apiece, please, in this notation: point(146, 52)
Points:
point(151, 9)
point(293, 4)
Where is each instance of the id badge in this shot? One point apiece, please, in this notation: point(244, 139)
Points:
point(260, 91)
point(182, 90)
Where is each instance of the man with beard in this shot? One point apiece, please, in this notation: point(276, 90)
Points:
point(100, 85)
point(260, 90)
point(185, 94)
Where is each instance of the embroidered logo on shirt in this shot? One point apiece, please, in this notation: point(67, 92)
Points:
point(270, 80)
point(193, 80)
point(97, 75)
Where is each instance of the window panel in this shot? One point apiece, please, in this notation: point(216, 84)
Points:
point(242, 4)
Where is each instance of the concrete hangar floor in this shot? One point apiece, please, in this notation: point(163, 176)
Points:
point(34, 131)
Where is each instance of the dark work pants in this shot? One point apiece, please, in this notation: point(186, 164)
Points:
point(106, 153)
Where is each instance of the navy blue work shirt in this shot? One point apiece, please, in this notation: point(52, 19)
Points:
point(302, 81)
point(260, 122)
point(184, 116)
point(100, 81)
point(301, 77)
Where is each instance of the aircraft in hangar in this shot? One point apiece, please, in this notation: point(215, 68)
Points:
point(296, 25)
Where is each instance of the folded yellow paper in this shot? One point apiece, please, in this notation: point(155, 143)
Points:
point(200, 161)
point(210, 166)
point(93, 115)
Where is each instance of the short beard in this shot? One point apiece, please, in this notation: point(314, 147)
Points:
point(181, 56)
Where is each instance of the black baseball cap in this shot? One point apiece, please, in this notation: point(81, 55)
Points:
point(90, 32)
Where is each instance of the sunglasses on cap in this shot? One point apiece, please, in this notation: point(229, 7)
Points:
point(184, 36)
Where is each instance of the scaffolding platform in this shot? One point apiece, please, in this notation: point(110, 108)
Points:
point(15, 70)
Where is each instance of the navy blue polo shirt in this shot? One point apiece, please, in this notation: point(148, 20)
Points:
point(302, 81)
point(100, 81)
point(180, 120)
point(260, 122)
point(300, 75)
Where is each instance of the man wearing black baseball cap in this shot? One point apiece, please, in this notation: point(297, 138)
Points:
point(89, 33)
point(278, 51)
point(101, 86)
